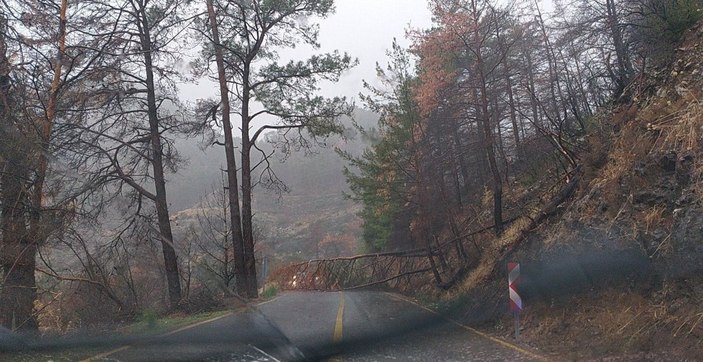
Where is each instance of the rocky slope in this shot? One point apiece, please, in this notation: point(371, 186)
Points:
point(618, 271)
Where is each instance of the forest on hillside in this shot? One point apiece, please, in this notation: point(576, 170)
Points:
point(493, 105)
point(568, 141)
point(497, 103)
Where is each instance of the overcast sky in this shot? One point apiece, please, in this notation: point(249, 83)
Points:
point(363, 28)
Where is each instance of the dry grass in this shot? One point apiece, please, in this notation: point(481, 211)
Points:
point(661, 126)
point(681, 130)
point(479, 275)
point(620, 322)
point(629, 185)
point(492, 252)
point(612, 323)
point(653, 216)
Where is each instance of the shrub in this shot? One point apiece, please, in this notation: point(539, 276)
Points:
point(662, 25)
point(270, 291)
point(149, 317)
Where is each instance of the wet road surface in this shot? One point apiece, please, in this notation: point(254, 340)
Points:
point(336, 326)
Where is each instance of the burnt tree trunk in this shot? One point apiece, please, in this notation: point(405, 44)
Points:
point(164, 222)
point(250, 287)
point(485, 121)
point(232, 181)
point(17, 251)
point(621, 52)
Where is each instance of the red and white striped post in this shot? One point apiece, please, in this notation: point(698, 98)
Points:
point(515, 300)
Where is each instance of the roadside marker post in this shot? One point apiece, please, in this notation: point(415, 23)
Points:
point(515, 300)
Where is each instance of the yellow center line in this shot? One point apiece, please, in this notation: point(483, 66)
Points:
point(339, 326)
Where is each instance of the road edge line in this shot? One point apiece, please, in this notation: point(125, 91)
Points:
point(264, 353)
point(105, 354)
point(267, 301)
point(185, 328)
point(497, 340)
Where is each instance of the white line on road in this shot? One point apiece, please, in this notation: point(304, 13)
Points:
point(264, 353)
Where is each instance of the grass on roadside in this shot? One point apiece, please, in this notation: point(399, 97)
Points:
point(59, 356)
point(270, 291)
point(147, 324)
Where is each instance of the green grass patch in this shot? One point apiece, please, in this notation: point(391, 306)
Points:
point(426, 300)
point(269, 291)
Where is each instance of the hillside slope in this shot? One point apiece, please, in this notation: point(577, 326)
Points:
point(310, 218)
point(618, 271)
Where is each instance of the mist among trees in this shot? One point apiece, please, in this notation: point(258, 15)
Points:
point(490, 101)
point(493, 100)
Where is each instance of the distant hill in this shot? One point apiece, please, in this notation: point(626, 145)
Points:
point(313, 219)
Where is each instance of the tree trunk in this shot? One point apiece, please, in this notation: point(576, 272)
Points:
point(232, 181)
point(485, 121)
point(621, 52)
point(509, 89)
point(433, 264)
point(250, 287)
point(18, 292)
point(497, 181)
point(455, 180)
point(164, 222)
point(554, 79)
point(460, 154)
point(513, 116)
point(500, 143)
point(18, 260)
point(536, 114)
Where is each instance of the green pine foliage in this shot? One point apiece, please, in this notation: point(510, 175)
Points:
point(376, 181)
point(382, 176)
point(662, 25)
point(674, 17)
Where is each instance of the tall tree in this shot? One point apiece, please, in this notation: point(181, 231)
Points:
point(17, 251)
point(22, 238)
point(383, 176)
point(232, 183)
point(470, 30)
point(607, 24)
point(146, 18)
point(140, 114)
point(251, 32)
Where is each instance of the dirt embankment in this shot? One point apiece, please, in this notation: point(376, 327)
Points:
point(618, 272)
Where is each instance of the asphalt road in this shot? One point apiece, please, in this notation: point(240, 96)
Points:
point(341, 326)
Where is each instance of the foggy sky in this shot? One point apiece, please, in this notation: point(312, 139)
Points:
point(363, 28)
